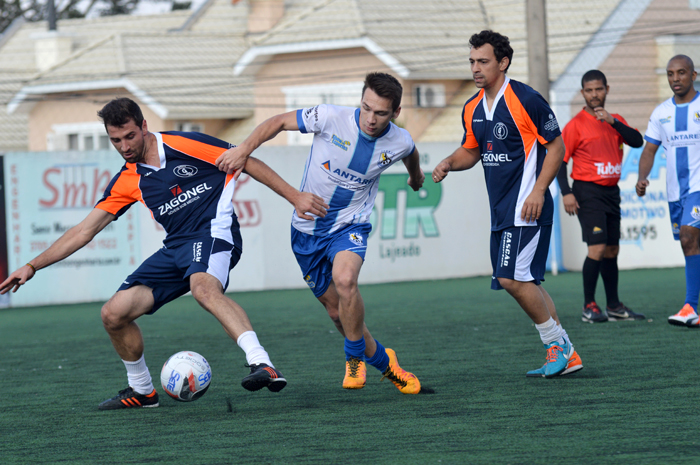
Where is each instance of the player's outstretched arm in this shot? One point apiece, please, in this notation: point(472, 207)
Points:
point(234, 159)
point(460, 160)
point(304, 202)
point(416, 177)
point(646, 163)
point(71, 241)
point(532, 208)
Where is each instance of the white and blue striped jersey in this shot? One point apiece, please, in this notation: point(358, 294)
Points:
point(677, 129)
point(344, 165)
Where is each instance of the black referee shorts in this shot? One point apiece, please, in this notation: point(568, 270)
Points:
point(599, 212)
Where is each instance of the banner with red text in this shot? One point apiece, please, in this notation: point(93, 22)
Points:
point(45, 195)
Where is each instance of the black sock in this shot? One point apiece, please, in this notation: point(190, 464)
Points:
point(610, 274)
point(591, 270)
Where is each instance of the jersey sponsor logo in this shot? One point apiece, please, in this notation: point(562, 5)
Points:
point(385, 158)
point(552, 124)
point(197, 252)
point(182, 199)
point(500, 131)
point(680, 137)
point(355, 238)
point(494, 159)
point(696, 117)
point(313, 110)
point(665, 120)
point(507, 242)
point(695, 212)
point(185, 171)
point(477, 120)
point(176, 190)
point(342, 177)
point(489, 146)
point(608, 170)
point(338, 142)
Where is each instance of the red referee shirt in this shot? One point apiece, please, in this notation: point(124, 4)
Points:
point(595, 147)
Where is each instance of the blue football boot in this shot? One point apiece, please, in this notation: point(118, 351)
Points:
point(558, 356)
point(573, 365)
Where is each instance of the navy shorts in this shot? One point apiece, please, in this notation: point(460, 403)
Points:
point(520, 253)
point(315, 254)
point(167, 271)
point(685, 212)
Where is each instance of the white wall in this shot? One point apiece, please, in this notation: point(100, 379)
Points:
point(440, 232)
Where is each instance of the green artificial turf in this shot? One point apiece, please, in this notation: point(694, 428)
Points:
point(634, 401)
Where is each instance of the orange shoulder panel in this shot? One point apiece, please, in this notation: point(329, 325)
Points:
point(124, 192)
point(526, 126)
point(193, 148)
point(470, 141)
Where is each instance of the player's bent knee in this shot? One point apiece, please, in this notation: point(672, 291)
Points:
point(689, 241)
point(507, 284)
point(345, 283)
point(113, 319)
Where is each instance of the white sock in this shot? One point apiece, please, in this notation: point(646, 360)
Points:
point(138, 375)
point(564, 335)
point(550, 331)
point(254, 352)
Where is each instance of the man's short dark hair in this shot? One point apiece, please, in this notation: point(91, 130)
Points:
point(386, 86)
point(499, 42)
point(594, 75)
point(686, 59)
point(119, 111)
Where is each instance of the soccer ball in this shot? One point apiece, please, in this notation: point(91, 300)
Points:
point(186, 376)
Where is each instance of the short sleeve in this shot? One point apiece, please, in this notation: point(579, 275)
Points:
point(543, 117)
point(469, 140)
point(313, 119)
point(654, 130)
point(570, 137)
point(119, 195)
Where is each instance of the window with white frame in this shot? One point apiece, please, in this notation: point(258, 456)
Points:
point(188, 126)
point(346, 94)
point(77, 136)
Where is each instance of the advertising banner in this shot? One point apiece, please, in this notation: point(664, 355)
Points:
point(442, 231)
point(48, 193)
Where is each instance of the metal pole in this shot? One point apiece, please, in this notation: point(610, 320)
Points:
point(537, 61)
point(52, 15)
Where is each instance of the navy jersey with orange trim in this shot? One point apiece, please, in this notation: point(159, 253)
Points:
point(187, 195)
point(510, 138)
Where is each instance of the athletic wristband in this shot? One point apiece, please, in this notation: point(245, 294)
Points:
point(32, 267)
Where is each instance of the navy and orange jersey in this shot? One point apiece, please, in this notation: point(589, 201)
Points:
point(595, 147)
point(187, 195)
point(511, 138)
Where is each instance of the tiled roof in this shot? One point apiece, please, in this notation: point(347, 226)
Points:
point(430, 38)
point(184, 66)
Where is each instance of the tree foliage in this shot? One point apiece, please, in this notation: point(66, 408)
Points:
point(36, 10)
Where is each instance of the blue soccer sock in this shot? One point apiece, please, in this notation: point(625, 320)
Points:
point(692, 280)
point(355, 349)
point(380, 360)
